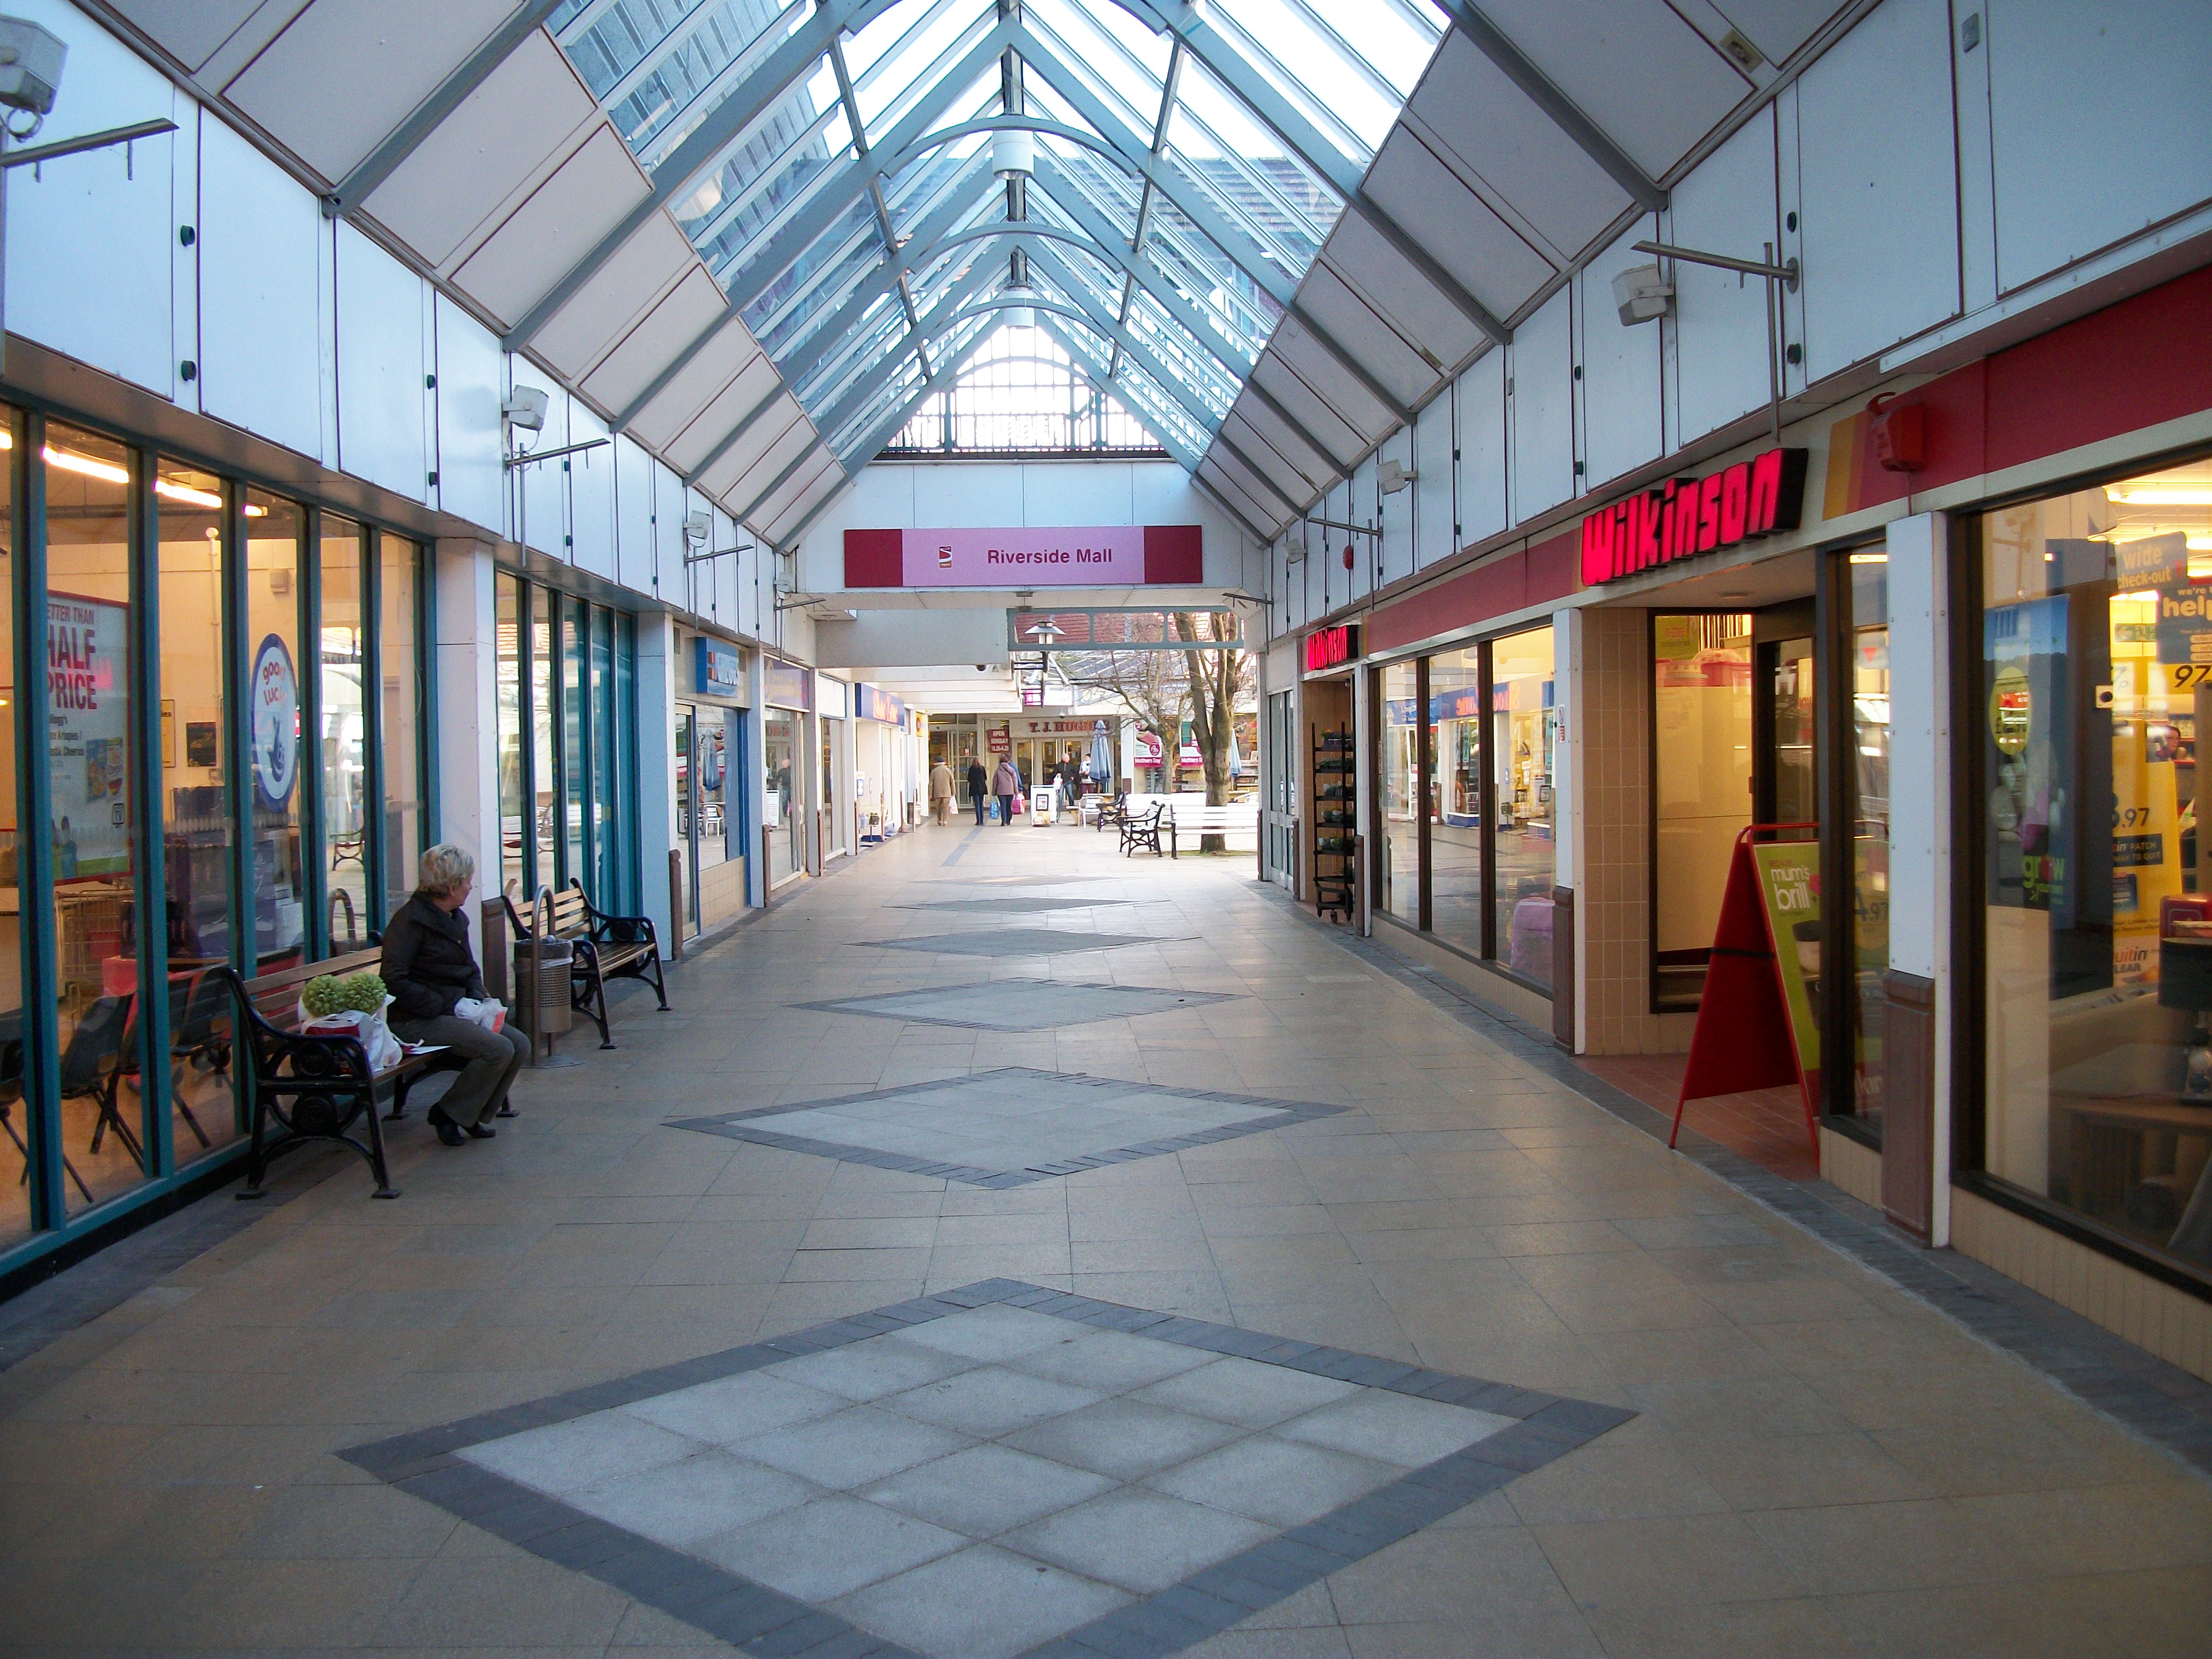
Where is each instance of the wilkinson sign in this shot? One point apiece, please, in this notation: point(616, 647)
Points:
point(1327, 646)
point(1688, 516)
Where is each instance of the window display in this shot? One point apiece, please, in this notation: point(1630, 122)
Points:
point(2095, 679)
point(1701, 709)
point(1401, 793)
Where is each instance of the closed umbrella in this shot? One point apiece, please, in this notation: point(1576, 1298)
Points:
point(1102, 762)
point(1235, 756)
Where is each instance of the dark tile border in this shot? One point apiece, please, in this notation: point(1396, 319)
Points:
point(2146, 1395)
point(427, 1464)
point(937, 945)
point(740, 1126)
point(851, 1005)
point(1013, 904)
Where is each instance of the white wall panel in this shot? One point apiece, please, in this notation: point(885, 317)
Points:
point(562, 220)
point(591, 495)
point(1435, 536)
point(1481, 394)
point(382, 364)
point(90, 237)
point(1397, 558)
point(665, 576)
point(260, 315)
point(1078, 493)
point(1621, 368)
point(2102, 117)
point(1542, 405)
point(1720, 324)
point(471, 383)
point(544, 523)
point(634, 516)
point(960, 495)
point(1878, 185)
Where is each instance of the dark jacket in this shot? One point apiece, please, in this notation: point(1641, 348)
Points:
point(979, 780)
point(427, 965)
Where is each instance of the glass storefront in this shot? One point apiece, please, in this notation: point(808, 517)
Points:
point(568, 797)
point(1468, 744)
point(202, 799)
point(2094, 906)
point(709, 744)
point(779, 743)
point(1701, 795)
point(1866, 779)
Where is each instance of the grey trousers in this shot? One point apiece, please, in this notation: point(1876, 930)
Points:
point(493, 1058)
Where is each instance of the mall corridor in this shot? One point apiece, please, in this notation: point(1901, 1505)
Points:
point(1242, 1298)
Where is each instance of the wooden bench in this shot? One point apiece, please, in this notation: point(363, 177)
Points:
point(606, 947)
point(1143, 829)
point(313, 1088)
point(1234, 817)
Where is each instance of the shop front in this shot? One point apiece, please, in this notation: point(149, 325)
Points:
point(887, 795)
point(784, 758)
point(209, 791)
point(835, 830)
point(712, 839)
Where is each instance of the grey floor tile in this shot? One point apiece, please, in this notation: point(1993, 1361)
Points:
point(990, 1334)
point(1394, 1428)
point(855, 1446)
point(989, 1401)
point(870, 1370)
point(982, 1603)
point(1141, 1541)
point(1246, 1392)
point(1127, 1438)
point(701, 1496)
point(736, 1407)
point(583, 1452)
point(1111, 1361)
point(986, 1490)
point(1278, 1481)
point(829, 1547)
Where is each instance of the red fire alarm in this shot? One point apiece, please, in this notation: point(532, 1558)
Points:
point(1347, 556)
point(1899, 433)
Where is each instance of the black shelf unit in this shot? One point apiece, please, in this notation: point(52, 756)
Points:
point(1335, 818)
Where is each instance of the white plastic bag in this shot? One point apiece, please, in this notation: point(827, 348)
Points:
point(370, 1031)
point(482, 1011)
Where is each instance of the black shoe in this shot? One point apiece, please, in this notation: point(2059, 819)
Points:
point(449, 1131)
point(480, 1131)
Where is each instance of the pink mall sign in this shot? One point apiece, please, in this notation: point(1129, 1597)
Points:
point(1122, 555)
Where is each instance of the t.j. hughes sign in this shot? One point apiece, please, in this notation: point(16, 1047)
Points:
point(1688, 516)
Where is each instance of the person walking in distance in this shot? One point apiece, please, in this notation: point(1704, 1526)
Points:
point(978, 788)
point(1005, 784)
point(941, 791)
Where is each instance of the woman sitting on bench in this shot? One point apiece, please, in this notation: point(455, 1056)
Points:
point(427, 968)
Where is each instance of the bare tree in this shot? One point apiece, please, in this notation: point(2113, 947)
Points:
point(1150, 686)
point(1215, 679)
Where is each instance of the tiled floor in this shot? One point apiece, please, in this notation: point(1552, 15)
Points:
point(1767, 1126)
point(1018, 1005)
point(1818, 1463)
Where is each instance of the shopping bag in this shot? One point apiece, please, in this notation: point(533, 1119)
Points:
point(1021, 804)
point(482, 1011)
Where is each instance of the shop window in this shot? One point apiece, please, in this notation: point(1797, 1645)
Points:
point(272, 786)
point(1866, 776)
point(544, 775)
point(342, 715)
point(1522, 727)
point(627, 895)
point(24, 1130)
point(1457, 859)
point(573, 760)
point(2095, 682)
point(1401, 791)
point(780, 747)
point(1701, 771)
point(399, 648)
point(605, 801)
point(513, 817)
point(89, 755)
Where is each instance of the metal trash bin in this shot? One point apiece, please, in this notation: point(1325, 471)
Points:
point(554, 1014)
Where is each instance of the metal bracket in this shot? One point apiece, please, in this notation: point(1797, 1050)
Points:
point(525, 456)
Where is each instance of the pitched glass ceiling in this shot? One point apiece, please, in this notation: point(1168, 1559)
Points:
point(859, 225)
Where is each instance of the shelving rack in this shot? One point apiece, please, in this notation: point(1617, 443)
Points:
point(1336, 817)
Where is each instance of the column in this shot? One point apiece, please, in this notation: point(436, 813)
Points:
point(467, 664)
point(1919, 1013)
point(656, 768)
point(1566, 834)
point(752, 778)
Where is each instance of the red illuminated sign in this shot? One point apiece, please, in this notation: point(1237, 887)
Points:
point(1327, 646)
point(1689, 516)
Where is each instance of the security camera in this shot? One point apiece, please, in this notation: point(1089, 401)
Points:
point(1642, 294)
point(982, 668)
point(1391, 477)
point(525, 408)
point(697, 524)
point(30, 66)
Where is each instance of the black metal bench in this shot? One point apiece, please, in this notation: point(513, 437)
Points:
point(1143, 830)
point(311, 1088)
point(606, 947)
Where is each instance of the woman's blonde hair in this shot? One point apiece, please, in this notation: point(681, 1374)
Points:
point(446, 869)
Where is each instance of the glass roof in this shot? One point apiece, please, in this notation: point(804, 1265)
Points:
point(836, 164)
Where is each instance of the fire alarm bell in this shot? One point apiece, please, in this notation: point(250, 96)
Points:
point(1347, 556)
point(1899, 435)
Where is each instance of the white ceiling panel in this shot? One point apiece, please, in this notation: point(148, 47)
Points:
point(1255, 486)
point(1386, 280)
point(1261, 433)
point(637, 273)
point(191, 30)
point(346, 73)
point(738, 477)
point(1777, 27)
point(680, 318)
point(1283, 381)
point(735, 401)
point(1513, 147)
point(1493, 261)
point(706, 377)
point(1354, 325)
point(1263, 518)
point(1653, 83)
point(817, 489)
point(484, 151)
point(563, 219)
point(802, 484)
